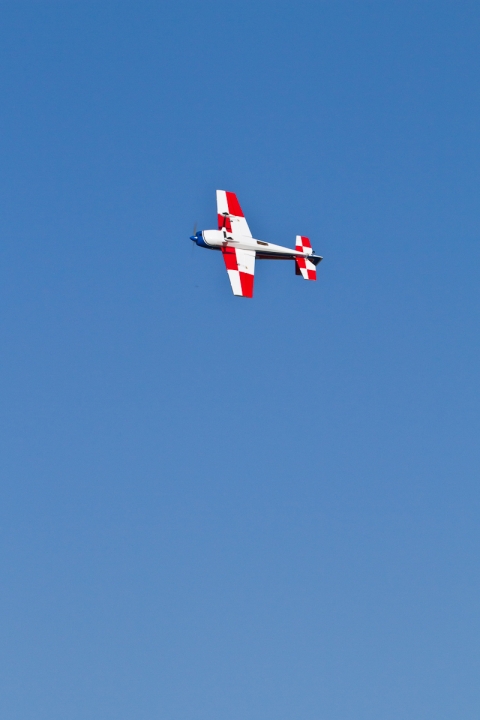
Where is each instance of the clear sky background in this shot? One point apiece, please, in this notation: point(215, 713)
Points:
point(224, 509)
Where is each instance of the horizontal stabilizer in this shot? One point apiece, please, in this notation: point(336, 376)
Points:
point(305, 268)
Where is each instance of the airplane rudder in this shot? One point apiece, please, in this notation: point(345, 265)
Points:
point(302, 244)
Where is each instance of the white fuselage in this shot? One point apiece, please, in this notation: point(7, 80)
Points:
point(216, 239)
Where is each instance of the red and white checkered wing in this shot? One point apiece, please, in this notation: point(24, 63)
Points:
point(304, 266)
point(230, 215)
point(240, 266)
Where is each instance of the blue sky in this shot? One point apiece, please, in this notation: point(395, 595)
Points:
point(220, 508)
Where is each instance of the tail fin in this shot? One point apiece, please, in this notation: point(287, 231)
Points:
point(303, 266)
point(302, 244)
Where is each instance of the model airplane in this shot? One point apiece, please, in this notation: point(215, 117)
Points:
point(240, 249)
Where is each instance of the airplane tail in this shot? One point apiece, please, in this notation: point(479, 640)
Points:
point(303, 266)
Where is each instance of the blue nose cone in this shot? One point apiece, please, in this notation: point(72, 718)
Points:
point(197, 238)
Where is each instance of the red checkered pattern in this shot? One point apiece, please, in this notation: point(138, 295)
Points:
point(306, 268)
point(302, 245)
point(230, 215)
point(240, 266)
point(303, 265)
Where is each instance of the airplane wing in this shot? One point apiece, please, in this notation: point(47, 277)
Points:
point(240, 266)
point(230, 215)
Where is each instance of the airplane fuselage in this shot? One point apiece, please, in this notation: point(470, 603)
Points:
point(218, 239)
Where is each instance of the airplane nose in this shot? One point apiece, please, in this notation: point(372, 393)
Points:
point(193, 237)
